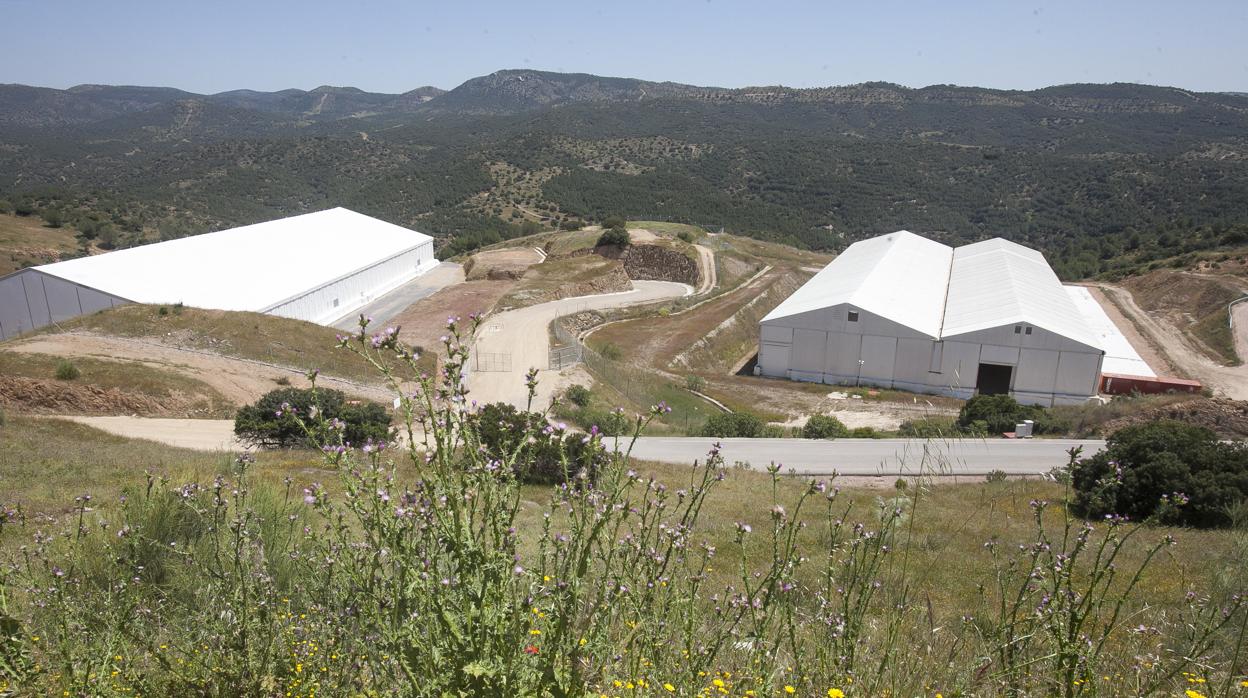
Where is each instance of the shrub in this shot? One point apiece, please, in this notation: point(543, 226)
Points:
point(695, 383)
point(928, 428)
point(995, 475)
point(611, 351)
point(67, 371)
point(733, 424)
point(5, 206)
point(995, 413)
point(614, 222)
point(685, 236)
point(865, 433)
point(293, 417)
point(1168, 471)
point(537, 454)
point(579, 395)
point(614, 237)
point(572, 224)
point(822, 426)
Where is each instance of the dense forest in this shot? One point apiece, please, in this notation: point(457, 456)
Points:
point(1097, 176)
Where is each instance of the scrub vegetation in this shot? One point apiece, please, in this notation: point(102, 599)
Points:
point(432, 570)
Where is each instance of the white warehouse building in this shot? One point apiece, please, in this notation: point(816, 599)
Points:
point(901, 311)
point(318, 267)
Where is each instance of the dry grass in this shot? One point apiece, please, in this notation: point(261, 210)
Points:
point(294, 343)
point(47, 462)
point(25, 241)
point(566, 277)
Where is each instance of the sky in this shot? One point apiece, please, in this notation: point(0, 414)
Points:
point(210, 46)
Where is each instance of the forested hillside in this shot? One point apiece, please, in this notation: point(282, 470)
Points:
point(1098, 176)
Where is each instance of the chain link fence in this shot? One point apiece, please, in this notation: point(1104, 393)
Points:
point(492, 361)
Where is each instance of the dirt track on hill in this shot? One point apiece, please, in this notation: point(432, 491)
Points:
point(1231, 381)
point(240, 380)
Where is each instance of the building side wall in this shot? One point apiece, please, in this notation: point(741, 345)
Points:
point(327, 303)
point(1048, 369)
point(30, 300)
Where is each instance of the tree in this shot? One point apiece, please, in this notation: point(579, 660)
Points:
point(53, 217)
point(294, 417)
point(614, 237)
point(1171, 472)
point(614, 223)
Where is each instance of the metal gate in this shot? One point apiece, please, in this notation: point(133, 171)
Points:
point(492, 361)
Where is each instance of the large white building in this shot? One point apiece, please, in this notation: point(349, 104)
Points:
point(317, 267)
point(902, 311)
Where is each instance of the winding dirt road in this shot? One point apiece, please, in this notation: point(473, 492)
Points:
point(1178, 350)
point(510, 343)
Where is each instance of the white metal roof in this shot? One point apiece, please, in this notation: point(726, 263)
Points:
point(900, 276)
point(1120, 356)
point(997, 282)
point(943, 292)
point(249, 268)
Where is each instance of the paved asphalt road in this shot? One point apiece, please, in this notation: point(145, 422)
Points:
point(874, 456)
point(845, 456)
point(390, 305)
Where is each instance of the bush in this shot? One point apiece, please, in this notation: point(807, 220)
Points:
point(865, 433)
point(572, 224)
point(822, 426)
point(996, 414)
point(928, 428)
point(67, 371)
point(614, 237)
point(1168, 471)
point(733, 424)
point(614, 222)
point(549, 457)
point(996, 475)
point(285, 418)
point(685, 236)
point(611, 351)
point(695, 383)
point(578, 395)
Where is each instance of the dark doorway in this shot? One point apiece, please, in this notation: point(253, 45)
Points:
point(993, 379)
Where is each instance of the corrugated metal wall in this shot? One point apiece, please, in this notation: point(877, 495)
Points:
point(345, 295)
point(30, 299)
point(823, 347)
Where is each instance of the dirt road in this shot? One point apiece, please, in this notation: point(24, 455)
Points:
point(1231, 381)
point(239, 380)
point(195, 434)
point(706, 260)
point(511, 343)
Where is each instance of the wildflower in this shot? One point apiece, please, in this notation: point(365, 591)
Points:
point(531, 649)
point(836, 693)
point(1193, 694)
point(790, 689)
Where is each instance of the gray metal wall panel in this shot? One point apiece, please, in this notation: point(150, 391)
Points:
point(14, 315)
point(62, 299)
point(35, 299)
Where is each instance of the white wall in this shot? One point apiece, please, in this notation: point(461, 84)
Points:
point(1047, 368)
point(348, 294)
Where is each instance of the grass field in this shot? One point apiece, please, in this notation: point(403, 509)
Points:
point(25, 241)
point(293, 343)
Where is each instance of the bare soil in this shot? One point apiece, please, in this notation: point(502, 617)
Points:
point(424, 322)
point(508, 263)
point(44, 396)
point(1142, 344)
point(239, 380)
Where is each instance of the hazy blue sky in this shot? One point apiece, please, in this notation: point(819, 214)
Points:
point(215, 45)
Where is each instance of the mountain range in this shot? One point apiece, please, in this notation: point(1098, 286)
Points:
point(1087, 172)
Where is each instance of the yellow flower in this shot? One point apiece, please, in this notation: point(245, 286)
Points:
point(790, 689)
point(1193, 694)
point(535, 631)
point(669, 687)
point(836, 693)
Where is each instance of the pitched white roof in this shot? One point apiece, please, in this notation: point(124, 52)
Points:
point(250, 268)
point(997, 282)
point(943, 292)
point(1120, 356)
point(900, 276)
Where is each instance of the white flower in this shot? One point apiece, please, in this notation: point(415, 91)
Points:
point(398, 402)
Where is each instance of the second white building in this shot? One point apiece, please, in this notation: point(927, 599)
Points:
point(901, 311)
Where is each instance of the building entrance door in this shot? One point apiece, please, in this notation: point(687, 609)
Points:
point(994, 379)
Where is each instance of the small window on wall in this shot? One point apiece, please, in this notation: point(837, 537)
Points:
point(853, 316)
point(335, 302)
point(1028, 330)
point(1018, 329)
